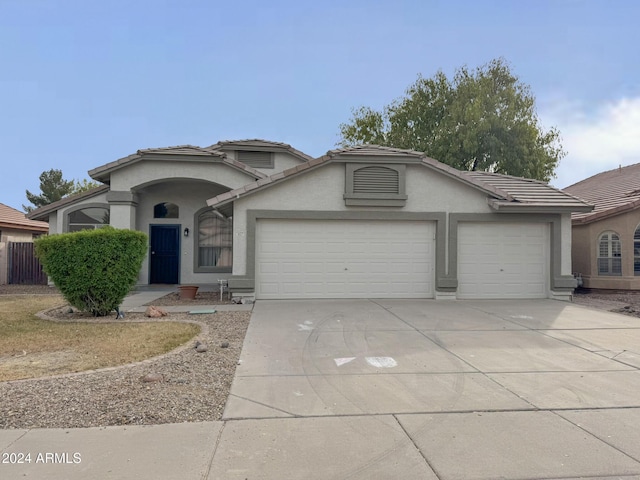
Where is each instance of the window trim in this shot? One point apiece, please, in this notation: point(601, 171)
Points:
point(610, 256)
point(196, 246)
point(177, 208)
point(65, 221)
point(371, 199)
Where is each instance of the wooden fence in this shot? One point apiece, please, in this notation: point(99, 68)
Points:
point(23, 266)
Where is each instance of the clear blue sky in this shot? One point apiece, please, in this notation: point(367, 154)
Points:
point(83, 83)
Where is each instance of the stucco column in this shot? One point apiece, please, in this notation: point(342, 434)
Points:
point(122, 206)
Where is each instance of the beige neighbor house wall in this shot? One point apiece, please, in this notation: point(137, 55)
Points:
point(585, 252)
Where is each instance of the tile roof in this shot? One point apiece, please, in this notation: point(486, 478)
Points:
point(12, 218)
point(612, 192)
point(43, 212)
point(528, 192)
point(102, 173)
point(375, 150)
point(507, 192)
point(258, 143)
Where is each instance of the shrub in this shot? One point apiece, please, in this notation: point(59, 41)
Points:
point(94, 269)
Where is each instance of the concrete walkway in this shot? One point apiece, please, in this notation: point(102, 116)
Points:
point(391, 389)
point(137, 300)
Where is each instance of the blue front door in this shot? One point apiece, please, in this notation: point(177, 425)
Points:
point(165, 254)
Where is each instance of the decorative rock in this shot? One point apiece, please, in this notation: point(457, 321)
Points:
point(153, 377)
point(155, 312)
point(224, 345)
point(201, 348)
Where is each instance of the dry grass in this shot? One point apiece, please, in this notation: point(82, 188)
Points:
point(31, 347)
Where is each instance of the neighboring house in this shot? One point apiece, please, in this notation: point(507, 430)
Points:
point(606, 241)
point(368, 221)
point(15, 227)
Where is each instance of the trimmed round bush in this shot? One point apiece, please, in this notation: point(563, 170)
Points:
point(94, 269)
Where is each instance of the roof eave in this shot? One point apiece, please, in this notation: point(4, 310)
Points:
point(103, 174)
point(536, 207)
point(22, 226)
point(460, 176)
point(42, 213)
point(611, 212)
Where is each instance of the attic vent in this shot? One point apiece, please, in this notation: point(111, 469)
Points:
point(256, 159)
point(375, 185)
point(376, 180)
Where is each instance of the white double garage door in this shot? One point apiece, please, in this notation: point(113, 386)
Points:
point(396, 259)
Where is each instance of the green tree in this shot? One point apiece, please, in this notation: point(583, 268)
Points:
point(482, 119)
point(53, 188)
point(80, 186)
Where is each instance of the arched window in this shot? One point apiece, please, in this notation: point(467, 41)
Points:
point(609, 254)
point(215, 241)
point(166, 210)
point(88, 218)
point(636, 251)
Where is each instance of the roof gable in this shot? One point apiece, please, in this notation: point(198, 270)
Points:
point(257, 144)
point(176, 153)
point(612, 192)
point(506, 193)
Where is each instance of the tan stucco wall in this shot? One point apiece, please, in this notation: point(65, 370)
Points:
point(323, 189)
point(585, 251)
point(15, 235)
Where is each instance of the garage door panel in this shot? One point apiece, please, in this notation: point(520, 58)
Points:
point(344, 259)
point(503, 260)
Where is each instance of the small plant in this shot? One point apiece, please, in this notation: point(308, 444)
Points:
point(93, 269)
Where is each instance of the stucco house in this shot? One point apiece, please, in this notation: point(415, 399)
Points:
point(366, 221)
point(606, 241)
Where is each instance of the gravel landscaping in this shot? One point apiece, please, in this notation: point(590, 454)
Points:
point(182, 386)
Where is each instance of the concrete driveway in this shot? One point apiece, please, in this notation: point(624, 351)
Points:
point(424, 389)
point(391, 390)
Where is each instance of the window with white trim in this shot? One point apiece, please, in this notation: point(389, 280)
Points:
point(609, 254)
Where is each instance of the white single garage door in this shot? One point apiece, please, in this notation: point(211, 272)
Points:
point(503, 260)
point(344, 259)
